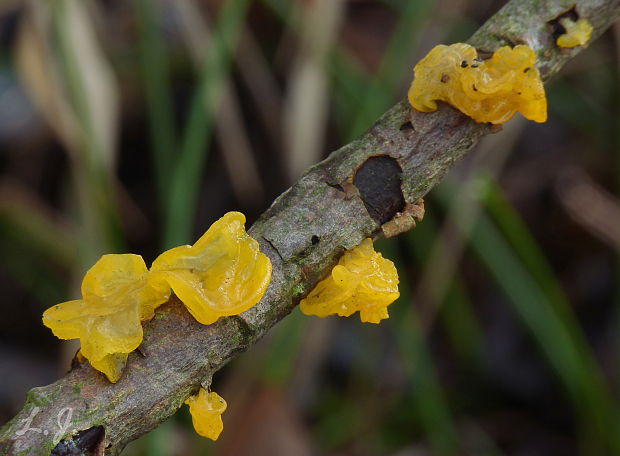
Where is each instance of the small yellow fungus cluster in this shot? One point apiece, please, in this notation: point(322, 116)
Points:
point(490, 90)
point(577, 33)
point(223, 273)
point(116, 297)
point(206, 410)
point(362, 281)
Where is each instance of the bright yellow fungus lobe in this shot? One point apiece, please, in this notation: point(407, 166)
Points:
point(116, 297)
point(223, 273)
point(577, 33)
point(362, 281)
point(206, 410)
point(490, 90)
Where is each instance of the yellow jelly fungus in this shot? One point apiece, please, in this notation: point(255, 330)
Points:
point(490, 90)
point(223, 273)
point(116, 297)
point(577, 33)
point(362, 281)
point(206, 410)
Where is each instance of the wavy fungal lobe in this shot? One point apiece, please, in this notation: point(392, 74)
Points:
point(490, 90)
point(362, 281)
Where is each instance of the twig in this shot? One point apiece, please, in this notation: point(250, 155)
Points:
point(303, 232)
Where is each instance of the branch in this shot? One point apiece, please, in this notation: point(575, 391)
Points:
point(333, 207)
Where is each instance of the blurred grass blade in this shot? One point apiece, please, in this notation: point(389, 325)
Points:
point(348, 79)
point(616, 146)
point(231, 131)
point(533, 259)
point(39, 76)
point(155, 74)
point(441, 264)
point(283, 349)
point(72, 67)
point(457, 316)
point(579, 110)
point(184, 186)
point(262, 85)
point(379, 94)
point(306, 107)
point(589, 205)
point(41, 279)
point(43, 78)
point(562, 345)
point(429, 397)
point(33, 244)
point(28, 223)
point(88, 82)
point(161, 440)
point(431, 403)
point(521, 240)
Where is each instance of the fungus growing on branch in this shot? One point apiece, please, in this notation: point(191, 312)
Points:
point(577, 32)
point(206, 410)
point(224, 273)
point(116, 297)
point(490, 90)
point(362, 281)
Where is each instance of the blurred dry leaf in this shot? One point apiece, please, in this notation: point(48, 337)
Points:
point(41, 80)
point(39, 68)
point(589, 205)
point(306, 107)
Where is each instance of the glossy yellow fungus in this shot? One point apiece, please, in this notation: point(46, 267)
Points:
point(223, 273)
point(206, 410)
point(362, 281)
point(490, 90)
point(116, 297)
point(577, 33)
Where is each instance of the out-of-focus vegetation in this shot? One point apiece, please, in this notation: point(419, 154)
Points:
point(131, 125)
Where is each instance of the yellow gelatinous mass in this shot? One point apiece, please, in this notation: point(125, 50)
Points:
point(116, 296)
point(206, 410)
point(223, 273)
point(362, 281)
point(490, 90)
point(577, 33)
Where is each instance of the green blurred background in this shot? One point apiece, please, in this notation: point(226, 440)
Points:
point(131, 125)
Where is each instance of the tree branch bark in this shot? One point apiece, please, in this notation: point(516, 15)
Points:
point(333, 207)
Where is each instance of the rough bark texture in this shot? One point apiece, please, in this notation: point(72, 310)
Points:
point(333, 207)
